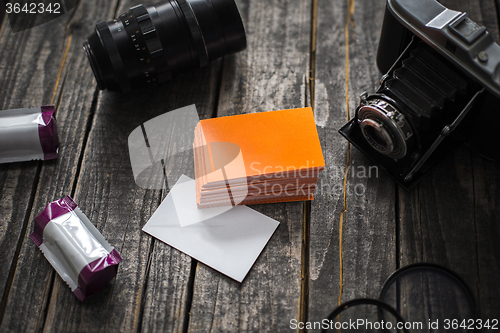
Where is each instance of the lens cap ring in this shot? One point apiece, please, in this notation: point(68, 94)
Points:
point(366, 301)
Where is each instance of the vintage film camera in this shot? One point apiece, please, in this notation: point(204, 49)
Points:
point(441, 89)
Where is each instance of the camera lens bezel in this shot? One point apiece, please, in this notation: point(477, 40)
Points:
point(389, 123)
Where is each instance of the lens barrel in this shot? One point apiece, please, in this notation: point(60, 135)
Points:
point(384, 127)
point(148, 44)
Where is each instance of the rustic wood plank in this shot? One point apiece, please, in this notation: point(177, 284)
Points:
point(270, 75)
point(368, 222)
point(33, 277)
point(486, 175)
point(369, 241)
point(29, 65)
point(16, 186)
point(487, 203)
point(439, 220)
point(168, 293)
point(107, 194)
point(150, 291)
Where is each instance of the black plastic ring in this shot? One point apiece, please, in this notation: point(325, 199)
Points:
point(114, 56)
point(194, 27)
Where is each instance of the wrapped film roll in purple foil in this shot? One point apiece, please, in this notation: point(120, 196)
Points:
point(28, 134)
point(75, 248)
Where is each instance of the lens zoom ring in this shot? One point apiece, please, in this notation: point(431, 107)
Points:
point(194, 27)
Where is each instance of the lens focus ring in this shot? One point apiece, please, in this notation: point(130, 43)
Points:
point(146, 44)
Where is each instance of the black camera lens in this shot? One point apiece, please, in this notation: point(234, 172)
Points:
point(148, 44)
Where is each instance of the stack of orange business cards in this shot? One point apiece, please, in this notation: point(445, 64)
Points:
point(257, 158)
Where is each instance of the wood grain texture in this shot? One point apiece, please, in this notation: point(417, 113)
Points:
point(368, 232)
point(487, 201)
point(369, 227)
point(29, 64)
point(153, 278)
point(26, 79)
point(450, 218)
point(33, 277)
point(439, 220)
point(270, 75)
point(168, 292)
point(107, 194)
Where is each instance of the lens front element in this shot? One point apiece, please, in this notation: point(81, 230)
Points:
point(375, 133)
point(384, 128)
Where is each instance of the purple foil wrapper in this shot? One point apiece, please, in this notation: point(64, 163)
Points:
point(75, 248)
point(28, 134)
point(47, 130)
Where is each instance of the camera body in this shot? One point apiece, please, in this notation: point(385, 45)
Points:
point(440, 89)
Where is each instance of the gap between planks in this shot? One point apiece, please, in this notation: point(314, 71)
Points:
point(13, 267)
point(306, 218)
point(349, 21)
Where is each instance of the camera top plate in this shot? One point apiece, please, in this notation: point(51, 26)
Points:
point(460, 40)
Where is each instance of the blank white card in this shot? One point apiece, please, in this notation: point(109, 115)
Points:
point(227, 240)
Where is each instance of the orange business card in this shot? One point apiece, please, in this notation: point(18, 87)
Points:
point(270, 142)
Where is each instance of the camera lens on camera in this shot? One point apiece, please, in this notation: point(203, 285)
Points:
point(148, 44)
point(377, 135)
point(384, 128)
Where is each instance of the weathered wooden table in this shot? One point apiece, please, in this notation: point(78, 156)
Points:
point(358, 230)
